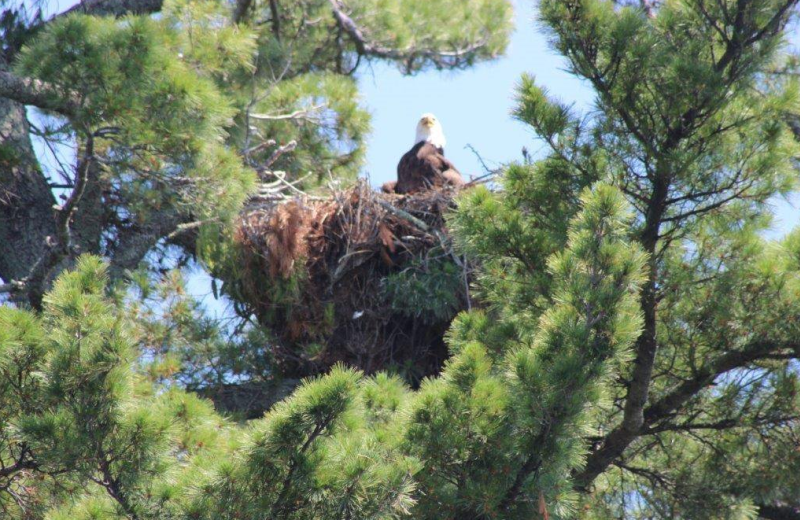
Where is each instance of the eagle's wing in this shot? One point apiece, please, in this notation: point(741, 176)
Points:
point(423, 167)
point(413, 169)
point(451, 175)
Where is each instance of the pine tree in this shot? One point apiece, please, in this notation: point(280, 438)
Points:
point(84, 434)
point(139, 131)
point(692, 130)
point(96, 436)
point(160, 127)
point(634, 355)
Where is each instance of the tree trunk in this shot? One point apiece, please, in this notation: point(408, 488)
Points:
point(26, 200)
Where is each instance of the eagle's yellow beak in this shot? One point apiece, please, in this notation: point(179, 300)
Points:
point(427, 121)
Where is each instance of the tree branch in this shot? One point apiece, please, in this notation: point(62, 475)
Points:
point(724, 424)
point(113, 7)
point(22, 464)
point(114, 489)
point(366, 47)
point(704, 377)
point(278, 506)
point(304, 113)
point(621, 437)
point(29, 91)
point(277, 154)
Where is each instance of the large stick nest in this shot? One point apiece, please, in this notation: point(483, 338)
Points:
point(361, 277)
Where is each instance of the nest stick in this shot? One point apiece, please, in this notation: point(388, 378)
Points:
point(404, 215)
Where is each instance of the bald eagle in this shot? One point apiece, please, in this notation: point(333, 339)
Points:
point(425, 166)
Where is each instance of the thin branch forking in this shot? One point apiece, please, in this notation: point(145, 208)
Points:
point(367, 47)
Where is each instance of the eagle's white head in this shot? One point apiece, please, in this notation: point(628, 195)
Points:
point(429, 129)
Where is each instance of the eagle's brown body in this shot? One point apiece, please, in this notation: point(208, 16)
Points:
point(425, 167)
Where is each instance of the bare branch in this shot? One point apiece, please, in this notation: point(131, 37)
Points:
point(259, 147)
point(273, 190)
point(304, 113)
point(188, 226)
point(486, 169)
point(277, 154)
point(406, 216)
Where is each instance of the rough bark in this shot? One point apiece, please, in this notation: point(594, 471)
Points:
point(37, 93)
point(26, 200)
point(135, 242)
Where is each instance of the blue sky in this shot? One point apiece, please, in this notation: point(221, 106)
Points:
point(475, 106)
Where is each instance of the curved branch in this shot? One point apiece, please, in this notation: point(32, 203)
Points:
point(366, 47)
point(615, 443)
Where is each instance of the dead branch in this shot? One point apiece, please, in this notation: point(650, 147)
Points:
point(304, 113)
point(277, 154)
